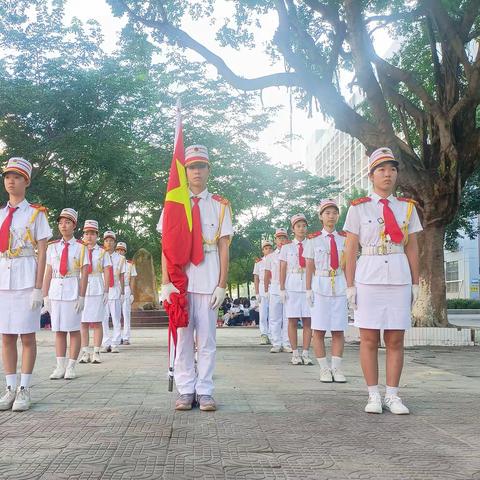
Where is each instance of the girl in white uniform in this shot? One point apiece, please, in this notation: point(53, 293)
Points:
point(383, 284)
point(24, 232)
point(326, 291)
point(261, 294)
point(293, 288)
point(64, 287)
point(96, 296)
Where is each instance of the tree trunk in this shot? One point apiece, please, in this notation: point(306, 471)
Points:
point(431, 307)
point(248, 290)
point(238, 290)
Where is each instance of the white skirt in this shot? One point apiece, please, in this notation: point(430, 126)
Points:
point(16, 316)
point(383, 307)
point(94, 310)
point(296, 305)
point(63, 316)
point(330, 313)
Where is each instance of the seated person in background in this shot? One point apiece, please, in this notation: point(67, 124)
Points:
point(254, 315)
point(237, 316)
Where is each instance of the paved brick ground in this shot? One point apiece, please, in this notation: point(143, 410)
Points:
point(275, 421)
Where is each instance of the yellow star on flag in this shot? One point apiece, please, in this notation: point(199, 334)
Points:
point(181, 193)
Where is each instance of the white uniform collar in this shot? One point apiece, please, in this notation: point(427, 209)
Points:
point(203, 195)
point(70, 242)
point(376, 197)
point(296, 242)
point(23, 205)
point(326, 232)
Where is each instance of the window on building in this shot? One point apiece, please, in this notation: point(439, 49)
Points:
point(451, 271)
point(453, 287)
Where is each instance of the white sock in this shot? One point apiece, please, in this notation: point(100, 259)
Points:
point(336, 362)
point(391, 391)
point(305, 353)
point(25, 379)
point(322, 362)
point(295, 352)
point(61, 361)
point(11, 381)
point(71, 362)
point(373, 390)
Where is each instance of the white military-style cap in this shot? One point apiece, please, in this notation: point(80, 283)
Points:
point(380, 155)
point(196, 154)
point(297, 217)
point(69, 213)
point(281, 231)
point(325, 203)
point(19, 165)
point(109, 234)
point(90, 225)
point(121, 245)
point(267, 243)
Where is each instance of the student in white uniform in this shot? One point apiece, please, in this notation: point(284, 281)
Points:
point(261, 294)
point(207, 279)
point(326, 291)
point(293, 288)
point(64, 288)
point(96, 296)
point(383, 283)
point(277, 319)
point(116, 292)
point(130, 277)
point(24, 232)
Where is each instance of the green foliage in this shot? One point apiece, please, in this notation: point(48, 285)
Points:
point(463, 303)
point(356, 193)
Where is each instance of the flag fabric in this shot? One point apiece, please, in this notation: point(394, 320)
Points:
point(177, 241)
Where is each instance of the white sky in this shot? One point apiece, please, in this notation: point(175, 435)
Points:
point(248, 63)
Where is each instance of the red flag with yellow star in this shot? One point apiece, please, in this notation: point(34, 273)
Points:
point(177, 240)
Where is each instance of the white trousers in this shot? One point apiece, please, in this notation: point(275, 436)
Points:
point(201, 332)
point(263, 314)
point(278, 322)
point(113, 308)
point(127, 314)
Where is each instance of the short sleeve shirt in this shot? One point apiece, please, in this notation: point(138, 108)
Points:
point(272, 263)
point(100, 260)
point(118, 263)
point(259, 269)
point(295, 281)
point(131, 271)
point(366, 221)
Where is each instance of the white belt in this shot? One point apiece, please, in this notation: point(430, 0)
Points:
point(388, 249)
point(68, 275)
point(24, 252)
point(208, 248)
point(296, 270)
point(327, 273)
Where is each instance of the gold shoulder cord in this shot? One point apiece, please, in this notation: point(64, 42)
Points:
point(220, 224)
point(100, 261)
point(28, 236)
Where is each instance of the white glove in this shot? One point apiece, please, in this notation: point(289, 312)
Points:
point(132, 299)
point(415, 292)
point(122, 298)
point(105, 298)
point(267, 296)
point(352, 297)
point(36, 299)
point(310, 297)
point(167, 290)
point(47, 304)
point(259, 299)
point(283, 296)
point(218, 297)
point(80, 304)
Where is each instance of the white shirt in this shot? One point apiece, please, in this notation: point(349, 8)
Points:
point(259, 269)
point(100, 260)
point(272, 263)
point(203, 278)
point(296, 278)
point(118, 262)
point(318, 249)
point(130, 271)
point(366, 221)
point(20, 272)
point(66, 288)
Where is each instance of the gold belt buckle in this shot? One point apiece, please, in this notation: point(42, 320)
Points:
point(382, 249)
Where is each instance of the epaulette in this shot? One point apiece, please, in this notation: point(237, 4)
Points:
point(220, 199)
point(39, 207)
point(258, 260)
point(360, 200)
point(51, 242)
point(313, 235)
point(410, 200)
point(342, 233)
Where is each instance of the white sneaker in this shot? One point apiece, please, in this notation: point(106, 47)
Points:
point(287, 349)
point(115, 349)
point(374, 404)
point(58, 373)
point(326, 375)
point(70, 373)
point(338, 376)
point(22, 400)
point(106, 349)
point(96, 357)
point(275, 349)
point(296, 360)
point(85, 358)
point(7, 400)
point(395, 405)
point(263, 340)
point(306, 359)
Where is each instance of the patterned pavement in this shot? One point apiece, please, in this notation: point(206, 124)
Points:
point(275, 421)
